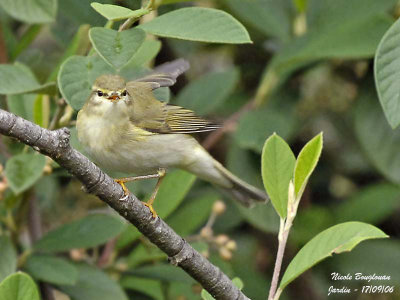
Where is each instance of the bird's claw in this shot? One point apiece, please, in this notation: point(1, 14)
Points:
point(153, 212)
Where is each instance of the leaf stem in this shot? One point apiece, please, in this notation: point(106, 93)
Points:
point(137, 14)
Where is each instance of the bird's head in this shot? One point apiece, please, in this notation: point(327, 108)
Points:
point(109, 88)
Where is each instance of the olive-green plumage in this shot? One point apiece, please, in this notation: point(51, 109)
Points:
point(125, 128)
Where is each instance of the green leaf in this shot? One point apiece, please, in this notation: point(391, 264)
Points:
point(260, 216)
point(198, 208)
point(163, 272)
point(22, 105)
point(18, 79)
point(19, 286)
point(277, 166)
point(8, 257)
point(147, 52)
point(198, 24)
point(207, 93)
point(381, 147)
point(78, 46)
point(51, 269)
point(173, 190)
point(112, 12)
point(336, 239)
point(335, 30)
point(23, 170)
point(129, 235)
point(372, 204)
point(90, 231)
point(236, 281)
point(142, 254)
point(94, 284)
point(273, 18)
point(387, 74)
point(31, 11)
point(306, 163)
point(116, 48)
point(256, 125)
point(148, 287)
point(41, 111)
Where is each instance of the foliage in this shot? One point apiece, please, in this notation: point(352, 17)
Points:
point(276, 74)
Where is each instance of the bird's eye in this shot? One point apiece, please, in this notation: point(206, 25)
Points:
point(124, 93)
point(100, 93)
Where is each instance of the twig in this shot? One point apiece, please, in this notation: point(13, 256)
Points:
point(55, 144)
point(284, 230)
point(106, 254)
point(129, 22)
point(283, 236)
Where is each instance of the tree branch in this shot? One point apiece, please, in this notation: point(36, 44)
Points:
point(55, 144)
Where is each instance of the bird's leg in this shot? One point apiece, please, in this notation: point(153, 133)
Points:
point(149, 203)
point(160, 175)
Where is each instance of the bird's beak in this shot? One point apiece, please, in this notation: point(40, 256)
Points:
point(114, 97)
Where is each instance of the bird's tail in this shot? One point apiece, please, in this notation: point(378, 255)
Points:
point(245, 193)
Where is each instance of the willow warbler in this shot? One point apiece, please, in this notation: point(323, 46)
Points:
point(124, 128)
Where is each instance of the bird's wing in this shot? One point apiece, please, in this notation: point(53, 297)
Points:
point(182, 120)
point(152, 115)
point(165, 74)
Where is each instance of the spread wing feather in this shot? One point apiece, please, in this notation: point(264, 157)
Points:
point(182, 120)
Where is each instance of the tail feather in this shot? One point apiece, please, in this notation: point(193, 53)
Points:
point(245, 193)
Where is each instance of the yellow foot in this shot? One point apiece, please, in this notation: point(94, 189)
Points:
point(121, 182)
point(151, 209)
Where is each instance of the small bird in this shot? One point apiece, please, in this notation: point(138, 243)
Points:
point(124, 128)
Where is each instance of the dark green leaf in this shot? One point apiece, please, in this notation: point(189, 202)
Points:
point(116, 48)
point(23, 170)
point(192, 214)
point(93, 283)
point(90, 231)
point(205, 94)
point(22, 105)
point(18, 79)
point(147, 52)
point(51, 269)
point(256, 125)
point(31, 11)
point(19, 286)
point(148, 287)
point(172, 191)
point(143, 254)
point(277, 166)
point(381, 147)
point(162, 272)
point(112, 12)
point(306, 163)
point(372, 204)
point(8, 257)
point(198, 24)
point(273, 18)
point(336, 239)
point(387, 74)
